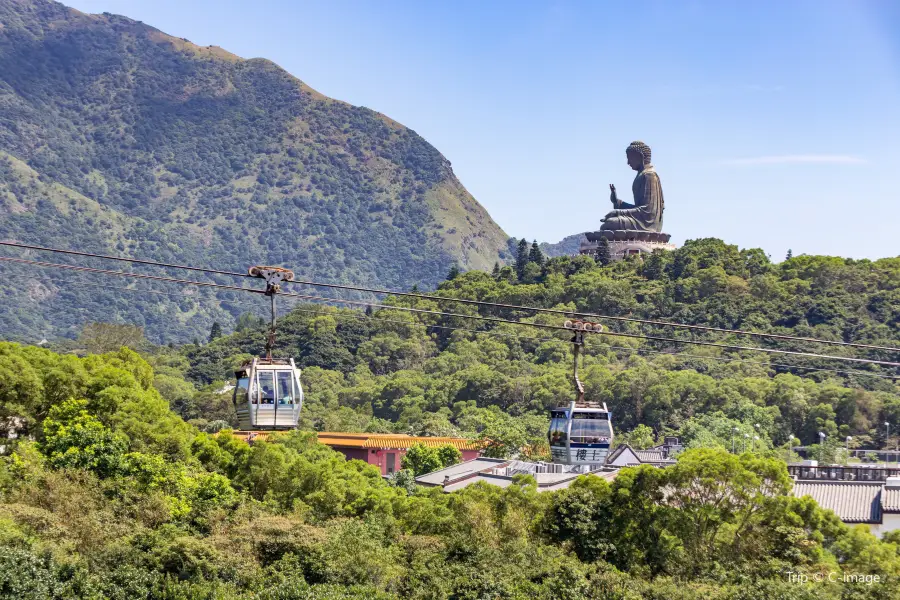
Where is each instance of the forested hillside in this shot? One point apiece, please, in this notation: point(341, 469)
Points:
point(426, 374)
point(568, 246)
point(117, 498)
point(117, 138)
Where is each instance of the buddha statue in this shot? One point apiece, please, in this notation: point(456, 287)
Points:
point(647, 211)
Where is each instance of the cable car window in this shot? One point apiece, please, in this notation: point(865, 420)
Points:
point(285, 390)
point(590, 428)
point(266, 387)
point(240, 394)
point(558, 428)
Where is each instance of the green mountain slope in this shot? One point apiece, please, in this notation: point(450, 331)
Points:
point(118, 138)
point(568, 246)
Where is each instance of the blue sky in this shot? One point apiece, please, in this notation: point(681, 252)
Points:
point(773, 124)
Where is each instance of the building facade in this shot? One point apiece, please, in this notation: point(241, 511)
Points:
point(386, 450)
point(865, 495)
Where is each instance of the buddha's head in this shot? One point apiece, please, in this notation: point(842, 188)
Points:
point(638, 155)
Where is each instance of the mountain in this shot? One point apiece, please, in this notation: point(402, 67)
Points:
point(116, 138)
point(568, 246)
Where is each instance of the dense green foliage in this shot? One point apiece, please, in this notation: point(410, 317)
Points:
point(410, 373)
point(116, 138)
point(118, 498)
point(421, 459)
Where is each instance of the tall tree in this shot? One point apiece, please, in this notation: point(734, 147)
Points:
point(215, 331)
point(603, 255)
point(790, 254)
point(521, 257)
point(108, 337)
point(454, 273)
point(535, 255)
point(496, 272)
point(248, 322)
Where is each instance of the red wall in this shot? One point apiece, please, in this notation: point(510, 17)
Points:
point(379, 456)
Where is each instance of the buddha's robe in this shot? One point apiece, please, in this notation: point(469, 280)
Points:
point(647, 211)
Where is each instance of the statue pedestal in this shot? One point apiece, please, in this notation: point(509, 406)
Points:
point(624, 243)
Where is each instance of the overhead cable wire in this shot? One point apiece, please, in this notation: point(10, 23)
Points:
point(500, 305)
point(491, 333)
point(448, 314)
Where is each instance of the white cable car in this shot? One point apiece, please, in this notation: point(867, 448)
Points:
point(268, 394)
point(581, 431)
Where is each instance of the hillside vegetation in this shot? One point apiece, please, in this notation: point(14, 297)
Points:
point(119, 139)
point(116, 497)
point(396, 371)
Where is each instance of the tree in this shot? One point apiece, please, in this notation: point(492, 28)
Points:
point(715, 491)
point(405, 479)
point(454, 272)
point(790, 255)
point(521, 257)
point(535, 255)
point(639, 438)
point(249, 322)
point(495, 273)
point(423, 459)
point(603, 255)
point(99, 338)
point(215, 332)
point(449, 455)
point(531, 274)
point(73, 438)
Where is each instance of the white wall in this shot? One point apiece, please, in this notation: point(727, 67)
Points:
point(889, 522)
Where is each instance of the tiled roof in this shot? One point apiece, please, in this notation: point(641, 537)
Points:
point(457, 471)
point(650, 455)
point(372, 440)
point(492, 471)
point(619, 452)
point(852, 501)
point(391, 440)
point(626, 456)
point(890, 499)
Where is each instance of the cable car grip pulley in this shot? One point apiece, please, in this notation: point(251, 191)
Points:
point(273, 276)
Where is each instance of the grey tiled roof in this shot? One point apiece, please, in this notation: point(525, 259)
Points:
point(890, 499)
point(650, 455)
point(852, 501)
point(459, 470)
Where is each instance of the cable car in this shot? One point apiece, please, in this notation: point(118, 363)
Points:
point(268, 394)
point(581, 432)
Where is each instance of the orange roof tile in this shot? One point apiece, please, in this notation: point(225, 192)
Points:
point(392, 440)
point(374, 440)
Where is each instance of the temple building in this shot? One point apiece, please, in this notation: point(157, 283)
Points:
point(386, 450)
point(383, 450)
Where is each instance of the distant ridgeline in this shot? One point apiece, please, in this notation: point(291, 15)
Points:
point(117, 138)
point(568, 246)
